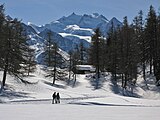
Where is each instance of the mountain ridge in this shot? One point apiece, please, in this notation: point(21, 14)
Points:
point(69, 31)
point(83, 21)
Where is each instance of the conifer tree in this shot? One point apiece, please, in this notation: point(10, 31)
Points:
point(14, 48)
point(48, 48)
point(142, 42)
point(2, 37)
point(150, 34)
point(70, 66)
point(83, 53)
point(31, 63)
point(157, 72)
point(112, 55)
point(96, 52)
point(130, 64)
point(53, 59)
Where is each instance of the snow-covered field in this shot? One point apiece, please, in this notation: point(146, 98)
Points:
point(77, 112)
point(33, 101)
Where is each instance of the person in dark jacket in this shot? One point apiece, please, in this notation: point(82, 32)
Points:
point(58, 98)
point(54, 98)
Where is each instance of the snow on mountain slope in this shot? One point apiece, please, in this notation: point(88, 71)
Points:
point(68, 32)
point(37, 41)
point(64, 43)
point(64, 54)
point(76, 30)
point(33, 27)
point(71, 36)
point(79, 24)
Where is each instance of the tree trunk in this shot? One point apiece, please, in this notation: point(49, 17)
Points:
point(125, 82)
point(144, 72)
point(150, 66)
point(122, 80)
point(70, 67)
point(29, 69)
point(54, 76)
point(4, 75)
point(75, 79)
point(98, 65)
point(69, 78)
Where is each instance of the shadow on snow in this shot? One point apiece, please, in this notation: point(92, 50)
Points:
point(97, 83)
point(10, 93)
point(109, 104)
point(55, 85)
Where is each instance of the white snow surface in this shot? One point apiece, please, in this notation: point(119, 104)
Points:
point(85, 67)
point(68, 35)
point(22, 101)
point(76, 27)
point(64, 54)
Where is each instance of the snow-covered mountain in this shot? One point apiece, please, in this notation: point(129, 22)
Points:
point(74, 23)
point(82, 21)
point(69, 31)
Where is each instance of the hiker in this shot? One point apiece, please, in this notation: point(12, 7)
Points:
point(54, 97)
point(58, 98)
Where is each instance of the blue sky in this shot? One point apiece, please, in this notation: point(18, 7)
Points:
point(45, 11)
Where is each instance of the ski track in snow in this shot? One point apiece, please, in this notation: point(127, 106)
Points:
point(48, 101)
point(79, 101)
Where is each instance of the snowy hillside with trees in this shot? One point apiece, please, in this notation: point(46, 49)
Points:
point(34, 100)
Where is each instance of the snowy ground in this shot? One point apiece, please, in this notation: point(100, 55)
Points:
point(82, 101)
point(77, 112)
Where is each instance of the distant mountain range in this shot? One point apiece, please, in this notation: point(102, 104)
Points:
point(69, 31)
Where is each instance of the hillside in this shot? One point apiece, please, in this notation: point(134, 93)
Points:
point(40, 88)
point(82, 99)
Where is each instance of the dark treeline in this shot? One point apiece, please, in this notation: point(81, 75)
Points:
point(16, 57)
point(129, 50)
